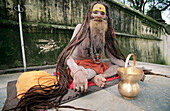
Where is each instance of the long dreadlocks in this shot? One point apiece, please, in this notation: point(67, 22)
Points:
point(39, 96)
point(111, 42)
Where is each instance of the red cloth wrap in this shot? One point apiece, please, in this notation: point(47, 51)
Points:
point(88, 63)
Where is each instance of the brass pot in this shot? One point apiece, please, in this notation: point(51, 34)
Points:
point(128, 86)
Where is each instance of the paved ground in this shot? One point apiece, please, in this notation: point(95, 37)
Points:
point(154, 95)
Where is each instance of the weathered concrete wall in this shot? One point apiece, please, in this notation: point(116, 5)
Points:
point(63, 12)
point(48, 26)
point(40, 48)
point(165, 46)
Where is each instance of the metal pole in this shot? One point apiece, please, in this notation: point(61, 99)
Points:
point(21, 37)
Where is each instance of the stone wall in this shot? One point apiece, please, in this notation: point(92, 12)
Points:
point(48, 26)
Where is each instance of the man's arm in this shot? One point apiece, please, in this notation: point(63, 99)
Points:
point(114, 60)
point(80, 74)
point(76, 31)
point(70, 62)
point(89, 73)
point(79, 78)
point(73, 66)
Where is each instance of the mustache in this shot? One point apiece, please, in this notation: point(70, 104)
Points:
point(98, 19)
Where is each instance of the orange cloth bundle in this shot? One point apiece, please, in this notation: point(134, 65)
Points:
point(32, 78)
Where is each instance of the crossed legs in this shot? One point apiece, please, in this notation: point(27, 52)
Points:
point(99, 79)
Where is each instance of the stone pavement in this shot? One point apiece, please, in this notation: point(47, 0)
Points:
point(154, 94)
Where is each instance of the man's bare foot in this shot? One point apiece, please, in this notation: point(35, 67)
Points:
point(99, 81)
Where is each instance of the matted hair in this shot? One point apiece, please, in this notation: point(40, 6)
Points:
point(111, 45)
point(44, 99)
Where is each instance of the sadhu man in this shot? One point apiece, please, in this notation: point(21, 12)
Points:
point(82, 57)
point(91, 39)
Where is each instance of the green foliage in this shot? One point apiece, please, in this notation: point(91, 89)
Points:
point(160, 4)
point(141, 4)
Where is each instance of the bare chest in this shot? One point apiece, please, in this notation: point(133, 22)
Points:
point(82, 51)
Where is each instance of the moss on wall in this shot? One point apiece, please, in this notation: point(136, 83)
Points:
point(145, 50)
point(40, 48)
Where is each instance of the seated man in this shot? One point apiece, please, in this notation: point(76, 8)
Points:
point(87, 46)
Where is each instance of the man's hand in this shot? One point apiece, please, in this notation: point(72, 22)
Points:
point(80, 82)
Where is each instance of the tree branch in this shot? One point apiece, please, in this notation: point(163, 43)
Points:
point(144, 6)
point(140, 6)
point(165, 8)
